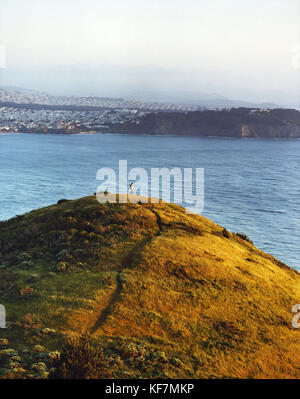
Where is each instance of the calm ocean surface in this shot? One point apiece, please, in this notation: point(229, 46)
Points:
point(251, 186)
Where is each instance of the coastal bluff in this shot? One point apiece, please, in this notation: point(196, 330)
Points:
point(257, 123)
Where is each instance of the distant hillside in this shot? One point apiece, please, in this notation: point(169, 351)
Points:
point(164, 101)
point(164, 294)
point(199, 99)
point(236, 122)
point(150, 84)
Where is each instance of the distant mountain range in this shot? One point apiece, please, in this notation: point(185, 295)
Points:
point(149, 84)
point(211, 100)
point(187, 100)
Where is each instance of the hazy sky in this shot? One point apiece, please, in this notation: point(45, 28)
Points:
point(255, 40)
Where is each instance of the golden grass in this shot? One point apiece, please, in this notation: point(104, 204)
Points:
point(171, 280)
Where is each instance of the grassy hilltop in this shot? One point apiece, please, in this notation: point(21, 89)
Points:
point(163, 293)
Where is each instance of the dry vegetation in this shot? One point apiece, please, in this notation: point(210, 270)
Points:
point(164, 294)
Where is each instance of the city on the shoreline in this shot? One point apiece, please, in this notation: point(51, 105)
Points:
point(31, 111)
point(25, 111)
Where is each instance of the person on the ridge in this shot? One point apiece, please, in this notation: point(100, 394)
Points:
point(131, 188)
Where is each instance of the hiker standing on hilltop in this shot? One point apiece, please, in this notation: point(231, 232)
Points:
point(131, 188)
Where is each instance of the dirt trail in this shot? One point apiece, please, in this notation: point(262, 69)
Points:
point(129, 261)
point(109, 308)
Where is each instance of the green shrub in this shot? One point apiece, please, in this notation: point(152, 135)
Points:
point(26, 264)
point(60, 267)
point(79, 360)
point(24, 256)
point(61, 254)
point(33, 277)
point(27, 292)
point(225, 233)
point(30, 322)
point(61, 201)
point(243, 237)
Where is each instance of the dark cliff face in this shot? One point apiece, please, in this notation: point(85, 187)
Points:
point(239, 122)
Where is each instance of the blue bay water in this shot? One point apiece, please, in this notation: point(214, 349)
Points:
point(251, 186)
